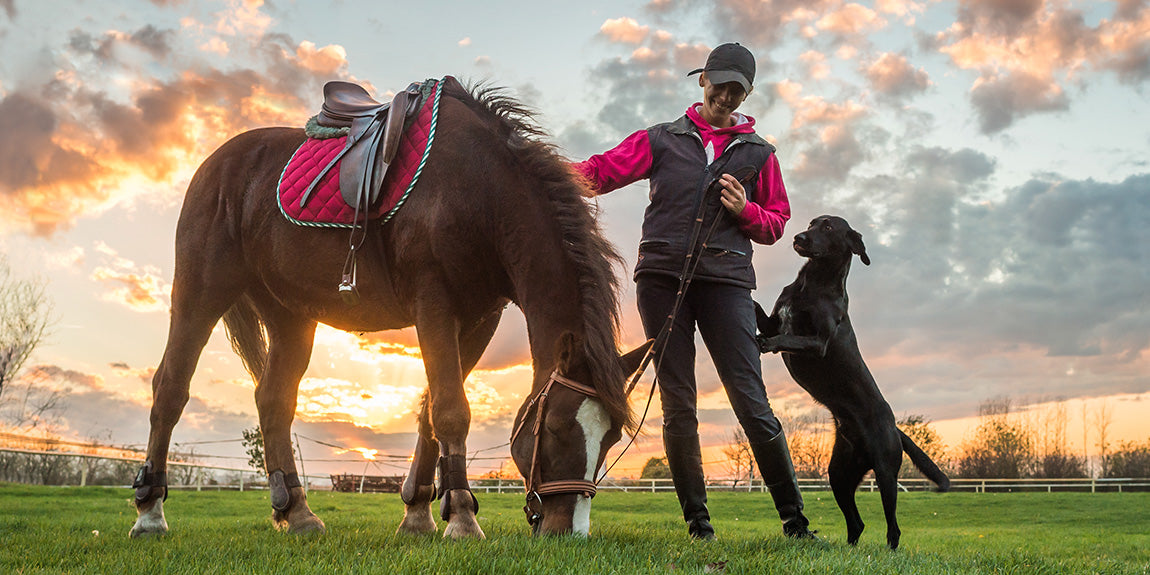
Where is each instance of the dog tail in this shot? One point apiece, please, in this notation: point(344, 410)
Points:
point(923, 463)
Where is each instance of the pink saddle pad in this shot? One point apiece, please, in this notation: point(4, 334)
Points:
point(325, 206)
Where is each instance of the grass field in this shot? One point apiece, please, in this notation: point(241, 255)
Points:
point(85, 530)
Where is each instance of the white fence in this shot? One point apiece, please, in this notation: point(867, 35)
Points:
point(207, 477)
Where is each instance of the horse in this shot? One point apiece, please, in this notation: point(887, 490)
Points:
point(497, 218)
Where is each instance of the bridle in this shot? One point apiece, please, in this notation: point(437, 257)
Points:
point(536, 487)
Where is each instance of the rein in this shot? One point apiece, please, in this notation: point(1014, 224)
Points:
point(690, 264)
point(536, 488)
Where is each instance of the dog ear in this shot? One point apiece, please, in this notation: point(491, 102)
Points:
point(855, 240)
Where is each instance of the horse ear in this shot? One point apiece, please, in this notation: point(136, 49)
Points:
point(632, 360)
point(855, 240)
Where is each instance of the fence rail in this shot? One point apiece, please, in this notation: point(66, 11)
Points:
point(1090, 485)
point(208, 477)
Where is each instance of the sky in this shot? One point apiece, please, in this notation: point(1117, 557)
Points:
point(993, 154)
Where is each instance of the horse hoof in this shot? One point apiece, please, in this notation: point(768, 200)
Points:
point(299, 525)
point(151, 522)
point(311, 525)
point(417, 522)
point(463, 530)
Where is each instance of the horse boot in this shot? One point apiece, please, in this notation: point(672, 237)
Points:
point(685, 459)
point(778, 473)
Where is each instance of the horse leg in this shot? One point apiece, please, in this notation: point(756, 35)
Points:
point(845, 471)
point(450, 415)
point(419, 486)
point(290, 340)
point(195, 310)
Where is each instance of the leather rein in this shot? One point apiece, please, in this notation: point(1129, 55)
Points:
point(536, 487)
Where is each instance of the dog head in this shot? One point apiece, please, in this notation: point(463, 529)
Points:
point(830, 236)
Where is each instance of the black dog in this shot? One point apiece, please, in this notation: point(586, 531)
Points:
point(810, 326)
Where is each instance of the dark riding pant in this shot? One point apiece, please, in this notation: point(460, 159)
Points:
point(725, 316)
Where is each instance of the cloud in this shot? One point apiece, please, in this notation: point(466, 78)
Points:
point(624, 30)
point(973, 280)
point(1027, 52)
point(107, 129)
point(891, 75)
point(1000, 100)
point(850, 20)
point(140, 290)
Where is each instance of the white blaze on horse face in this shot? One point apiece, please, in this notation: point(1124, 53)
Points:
point(595, 423)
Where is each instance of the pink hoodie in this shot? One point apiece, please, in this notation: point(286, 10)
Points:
point(767, 210)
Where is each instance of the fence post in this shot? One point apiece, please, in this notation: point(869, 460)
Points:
point(84, 476)
point(199, 479)
point(241, 482)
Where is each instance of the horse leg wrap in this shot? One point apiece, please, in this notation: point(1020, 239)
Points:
point(453, 475)
point(418, 494)
point(148, 483)
point(280, 484)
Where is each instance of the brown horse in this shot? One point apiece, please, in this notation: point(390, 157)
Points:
point(496, 218)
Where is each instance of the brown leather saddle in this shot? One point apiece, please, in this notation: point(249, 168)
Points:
point(374, 130)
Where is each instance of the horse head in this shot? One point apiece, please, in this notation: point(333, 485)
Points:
point(561, 439)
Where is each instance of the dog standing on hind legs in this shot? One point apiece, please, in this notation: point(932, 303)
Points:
point(810, 327)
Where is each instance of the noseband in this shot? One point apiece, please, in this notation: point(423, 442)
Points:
point(536, 488)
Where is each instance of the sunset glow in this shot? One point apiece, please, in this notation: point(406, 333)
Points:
point(987, 151)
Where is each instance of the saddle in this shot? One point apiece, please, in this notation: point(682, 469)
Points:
point(374, 130)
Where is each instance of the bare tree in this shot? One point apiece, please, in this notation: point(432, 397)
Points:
point(1054, 459)
point(25, 313)
point(740, 460)
point(1103, 416)
point(809, 436)
point(31, 403)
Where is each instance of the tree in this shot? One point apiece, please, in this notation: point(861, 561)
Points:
point(25, 313)
point(1131, 460)
point(1001, 448)
point(919, 430)
point(254, 447)
point(656, 468)
point(1054, 459)
point(740, 460)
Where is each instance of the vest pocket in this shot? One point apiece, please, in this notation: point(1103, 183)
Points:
point(722, 252)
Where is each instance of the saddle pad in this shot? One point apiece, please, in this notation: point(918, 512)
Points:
point(325, 206)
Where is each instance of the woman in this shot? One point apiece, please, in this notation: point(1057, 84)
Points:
point(711, 150)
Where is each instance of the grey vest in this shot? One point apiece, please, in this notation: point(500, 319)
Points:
point(679, 180)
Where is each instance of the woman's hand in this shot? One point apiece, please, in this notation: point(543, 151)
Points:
point(734, 197)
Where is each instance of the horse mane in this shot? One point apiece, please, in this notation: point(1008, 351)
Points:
point(591, 254)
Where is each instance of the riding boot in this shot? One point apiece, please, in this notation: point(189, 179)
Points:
point(778, 473)
point(685, 459)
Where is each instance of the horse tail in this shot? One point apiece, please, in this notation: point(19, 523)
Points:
point(245, 330)
point(924, 463)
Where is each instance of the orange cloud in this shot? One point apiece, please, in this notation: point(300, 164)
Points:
point(1040, 46)
point(78, 145)
point(891, 74)
point(624, 30)
point(851, 19)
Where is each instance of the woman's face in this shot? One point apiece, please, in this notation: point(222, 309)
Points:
point(720, 101)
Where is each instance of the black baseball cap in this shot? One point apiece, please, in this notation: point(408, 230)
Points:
point(730, 62)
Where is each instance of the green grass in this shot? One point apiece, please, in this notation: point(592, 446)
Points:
point(54, 530)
